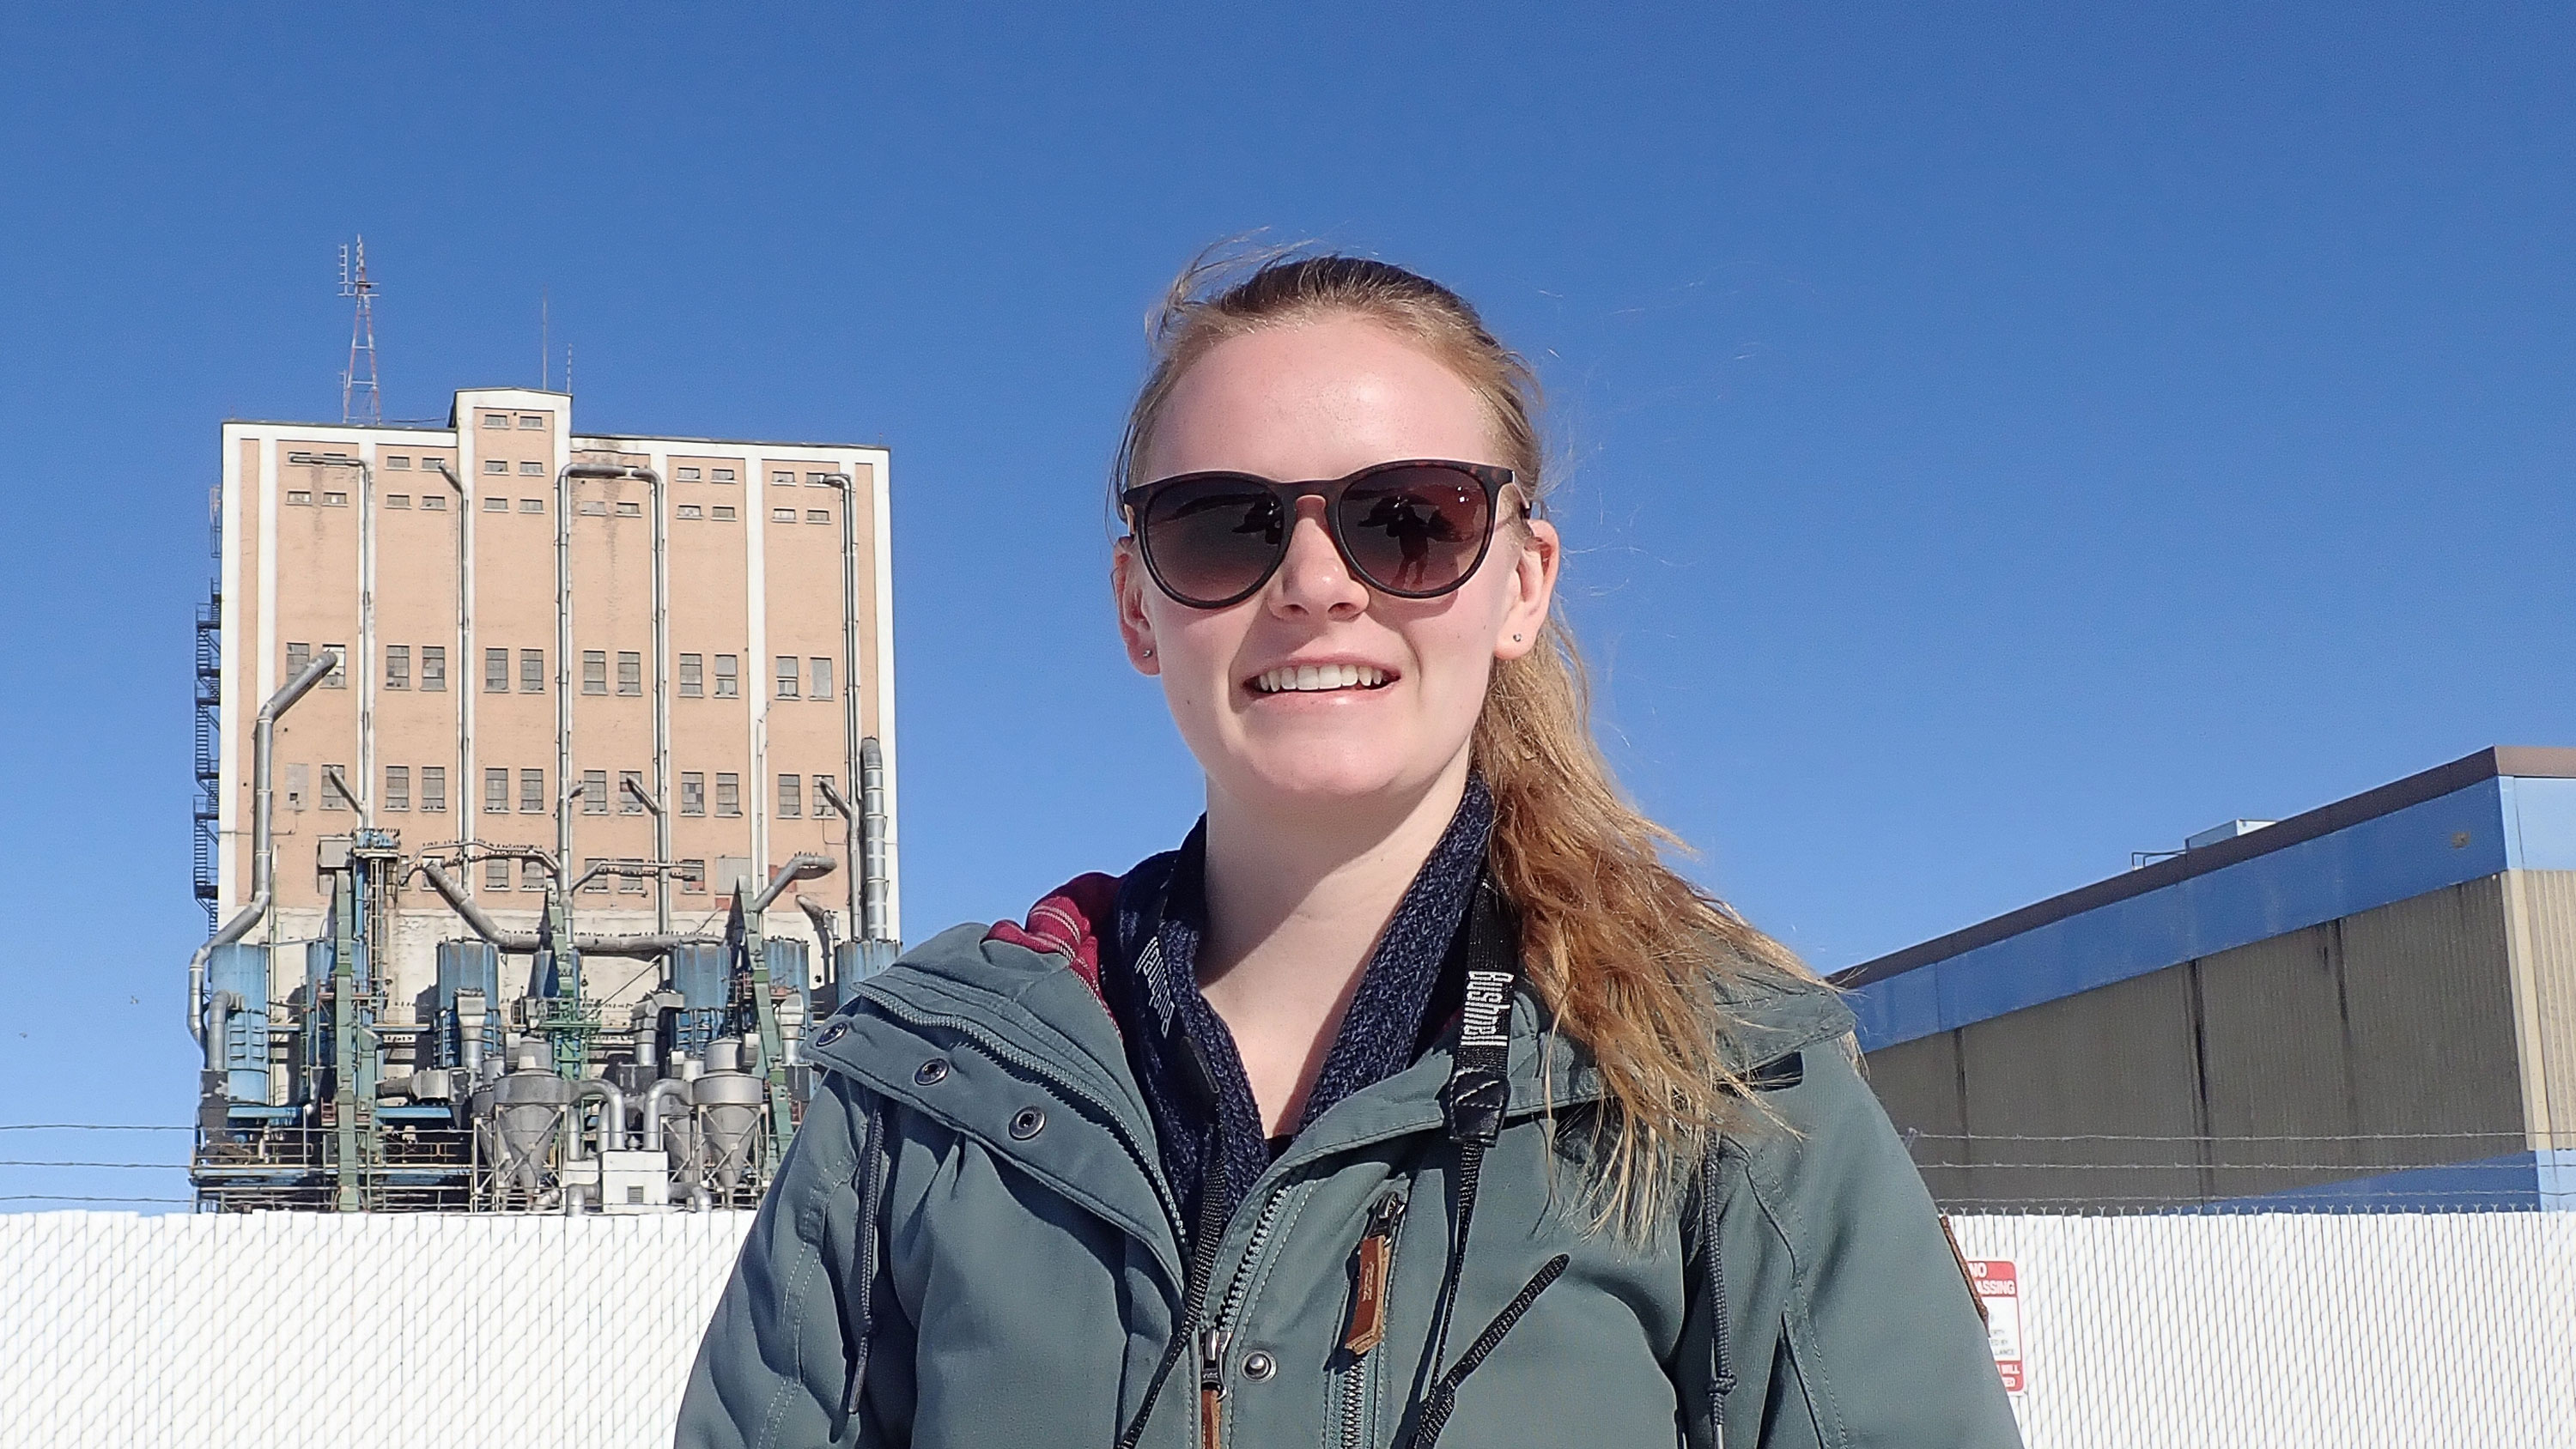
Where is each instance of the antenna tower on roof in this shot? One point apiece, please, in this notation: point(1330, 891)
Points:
point(360, 376)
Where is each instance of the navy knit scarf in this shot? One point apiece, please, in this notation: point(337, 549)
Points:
point(1407, 993)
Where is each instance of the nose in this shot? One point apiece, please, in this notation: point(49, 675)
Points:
point(1312, 579)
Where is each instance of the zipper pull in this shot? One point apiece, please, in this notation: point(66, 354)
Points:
point(1211, 1385)
point(1376, 1252)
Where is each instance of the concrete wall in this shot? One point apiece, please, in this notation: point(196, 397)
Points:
point(2380, 1040)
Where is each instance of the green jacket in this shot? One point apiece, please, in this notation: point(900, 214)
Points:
point(971, 1244)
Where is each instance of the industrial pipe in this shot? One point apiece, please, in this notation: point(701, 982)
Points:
point(457, 677)
point(524, 943)
point(263, 804)
point(821, 915)
point(850, 659)
point(667, 1090)
point(365, 664)
point(803, 865)
point(612, 1113)
point(872, 832)
point(220, 1006)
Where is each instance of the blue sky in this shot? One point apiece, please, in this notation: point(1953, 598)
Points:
point(1998, 438)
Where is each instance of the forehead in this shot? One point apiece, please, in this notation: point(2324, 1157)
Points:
point(1317, 400)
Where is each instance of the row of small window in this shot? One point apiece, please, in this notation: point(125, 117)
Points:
point(401, 463)
point(794, 678)
point(531, 422)
point(591, 507)
point(809, 678)
point(532, 798)
point(780, 479)
point(630, 796)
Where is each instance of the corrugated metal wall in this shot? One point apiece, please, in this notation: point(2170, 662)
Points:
point(287, 1330)
point(2378, 1041)
point(2549, 944)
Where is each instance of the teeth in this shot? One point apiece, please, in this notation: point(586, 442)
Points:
point(1319, 677)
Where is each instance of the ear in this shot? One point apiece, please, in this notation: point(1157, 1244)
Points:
point(1533, 587)
point(1129, 581)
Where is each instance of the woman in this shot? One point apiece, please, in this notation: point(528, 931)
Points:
point(1412, 1099)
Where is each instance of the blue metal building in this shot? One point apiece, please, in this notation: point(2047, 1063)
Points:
point(2373, 1002)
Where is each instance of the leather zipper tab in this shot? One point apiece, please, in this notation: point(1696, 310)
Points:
point(1367, 1326)
point(1211, 1385)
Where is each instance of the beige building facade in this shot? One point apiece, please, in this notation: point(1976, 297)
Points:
point(690, 638)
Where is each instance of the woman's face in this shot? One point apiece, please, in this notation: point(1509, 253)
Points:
point(1312, 401)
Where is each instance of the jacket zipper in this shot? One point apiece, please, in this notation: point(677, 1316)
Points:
point(1219, 1332)
point(1383, 1220)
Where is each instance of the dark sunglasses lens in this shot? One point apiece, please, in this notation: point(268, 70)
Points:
point(1416, 531)
point(1210, 539)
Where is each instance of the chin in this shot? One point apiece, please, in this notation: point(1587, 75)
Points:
point(1317, 778)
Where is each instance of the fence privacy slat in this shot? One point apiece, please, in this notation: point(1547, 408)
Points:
point(282, 1330)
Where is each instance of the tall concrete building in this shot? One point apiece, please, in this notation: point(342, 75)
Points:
point(595, 648)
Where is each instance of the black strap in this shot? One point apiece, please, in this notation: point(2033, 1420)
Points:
point(1480, 1085)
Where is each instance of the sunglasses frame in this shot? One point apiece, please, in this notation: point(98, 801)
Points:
point(1493, 477)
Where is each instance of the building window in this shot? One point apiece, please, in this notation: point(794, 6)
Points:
point(532, 875)
point(532, 470)
point(818, 515)
point(496, 505)
point(630, 510)
point(693, 877)
point(335, 784)
point(396, 462)
point(630, 792)
point(689, 510)
point(693, 670)
point(630, 672)
point(532, 792)
point(532, 422)
point(433, 667)
point(728, 794)
point(822, 676)
point(532, 505)
point(496, 671)
point(727, 684)
point(299, 497)
point(496, 420)
point(433, 502)
point(299, 785)
point(433, 789)
point(630, 885)
point(397, 787)
point(693, 793)
point(594, 792)
point(782, 515)
point(724, 513)
point(824, 786)
point(783, 480)
point(338, 678)
point(495, 465)
point(722, 475)
point(397, 666)
point(687, 475)
point(594, 671)
point(335, 500)
point(496, 875)
point(496, 792)
point(597, 882)
point(791, 797)
point(594, 508)
point(299, 657)
point(817, 480)
point(398, 500)
point(532, 671)
point(786, 676)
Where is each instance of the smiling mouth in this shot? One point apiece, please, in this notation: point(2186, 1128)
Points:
point(1318, 678)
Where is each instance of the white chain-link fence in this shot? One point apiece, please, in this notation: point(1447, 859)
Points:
point(282, 1330)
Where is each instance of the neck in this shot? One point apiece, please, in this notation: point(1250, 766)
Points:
point(1295, 907)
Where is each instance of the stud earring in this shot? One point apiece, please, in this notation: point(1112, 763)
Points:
point(1150, 653)
point(1516, 638)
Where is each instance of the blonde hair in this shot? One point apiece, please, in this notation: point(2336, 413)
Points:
point(1635, 963)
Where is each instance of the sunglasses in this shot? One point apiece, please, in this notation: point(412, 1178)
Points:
point(1415, 529)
